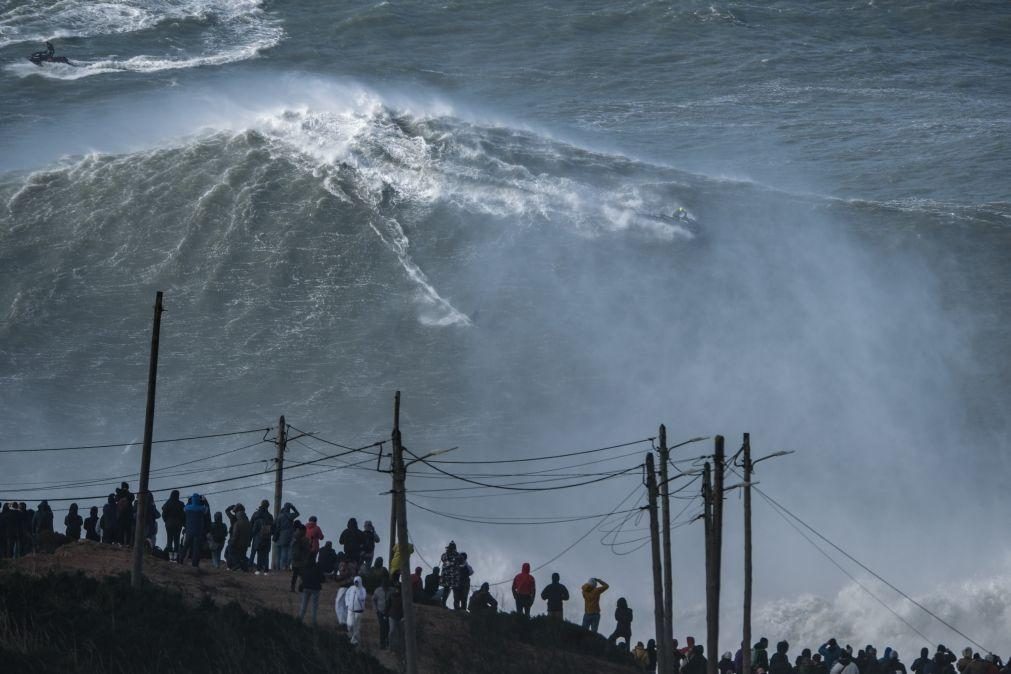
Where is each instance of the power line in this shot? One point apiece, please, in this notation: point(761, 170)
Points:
point(210, 482)
point(844, 570)
point(512, 487)
point(560, 520)
point(868, 570)
point(127, 444)
point(545, 458)
point(581, 538)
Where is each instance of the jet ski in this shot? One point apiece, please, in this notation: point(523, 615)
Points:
point(48, 56)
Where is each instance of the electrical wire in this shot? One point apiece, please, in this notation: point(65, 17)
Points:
point(127, 444)
point(580, 539)
point(516, 488)
point(210, 482)
point(545, 458)
point(575, 518)
point(870, 571)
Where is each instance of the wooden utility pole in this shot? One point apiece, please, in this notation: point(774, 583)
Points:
point(666, 641)
point(716, 556)
point(282, 444)
point(400, 493)
point(707, 498)
point(145, 457)
point(663, 655)
point(746, 627)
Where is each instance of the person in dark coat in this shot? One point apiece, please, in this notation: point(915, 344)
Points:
point(369, 540)
point(780, 662)
point(73, 523)
point(195, 531)
point(623, 616)
point(174, 517)
point(352, 539)
point(219, 534)
point(327, 559)
point(696, 663)
point(450, 570)
point(125, 513)
point(109, 523)
point(432, 584)
point(312, 585)
point(284, 531)
point(300, 555)
point(923, 664)
point(481, 602)
point(151, 517)
point(261, 530)
point(238, 540)
point(91, 528)
point(555, 594)
point(382, 597)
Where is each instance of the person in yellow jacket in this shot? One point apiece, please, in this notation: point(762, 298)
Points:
point(395, 562)
point(592, 589)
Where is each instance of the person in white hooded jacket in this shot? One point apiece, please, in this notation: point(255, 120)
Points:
point(355, 600)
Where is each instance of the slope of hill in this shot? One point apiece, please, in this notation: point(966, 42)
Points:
point(73, 611)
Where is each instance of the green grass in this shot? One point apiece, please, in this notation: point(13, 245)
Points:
point(72, 623)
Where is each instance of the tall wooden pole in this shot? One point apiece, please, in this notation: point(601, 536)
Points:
point(707, 497)
point(746, 628)
point(663, 655)
point(282, 444)
point(145, 457)
point(716, 561)
point(668, 574)
point(400, 490)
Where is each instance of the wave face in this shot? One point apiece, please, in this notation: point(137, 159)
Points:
point(199, 33)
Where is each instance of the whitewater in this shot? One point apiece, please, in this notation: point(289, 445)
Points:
point(552, 228)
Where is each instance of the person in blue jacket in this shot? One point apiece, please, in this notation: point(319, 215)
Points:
point(195, 512)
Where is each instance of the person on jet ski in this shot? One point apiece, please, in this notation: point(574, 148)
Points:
point(48, 56)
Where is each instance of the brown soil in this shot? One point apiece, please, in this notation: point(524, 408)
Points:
point(440, 632)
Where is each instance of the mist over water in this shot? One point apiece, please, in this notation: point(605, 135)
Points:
point(471, 203)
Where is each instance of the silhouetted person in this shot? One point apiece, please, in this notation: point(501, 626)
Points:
point(555, 594)
point(432, 584)
point(327, 559)
point(284, 532)
point(219, 534)
point(481, 602)
point(369, 540)
point(73, 523)
point(312, 585)
point(174, 517)
point(195, 531)
point(239, 537)
point(352, 539)
point(91, 526)
point(696, 663)
point(381, 600)
point(109, 523)
point(623, 618)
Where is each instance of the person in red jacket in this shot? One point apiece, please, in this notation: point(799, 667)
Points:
point(314, 535)
point(524, 590)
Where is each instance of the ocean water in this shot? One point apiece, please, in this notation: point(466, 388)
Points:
point(472, 203)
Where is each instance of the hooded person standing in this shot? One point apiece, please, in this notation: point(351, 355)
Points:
point(923, 664)
point(219, 533)
point(91, 526)
point(195, 511)
point(174, 517)
point(555, 594)
point(73, 523)
point(697, 662)
point(623, 618)
point(262, 528)
point(355, 601)
point(780, 661)
point(314, 535)
point(381, 599)
point(369, 540)
point(108, 522)
point(151, 517)
point(299, 555)
point(284, 531)
point(351, 538)
point(239, 537)
point(524, 590)
point(592, 589)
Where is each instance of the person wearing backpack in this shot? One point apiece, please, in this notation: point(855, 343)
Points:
point(219, 532)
